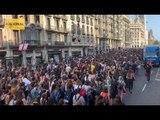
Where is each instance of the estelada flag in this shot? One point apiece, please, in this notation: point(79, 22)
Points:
point(20, 47)
point(25, 46)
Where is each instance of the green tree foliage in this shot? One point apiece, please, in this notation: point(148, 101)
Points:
point(156, 42)
point(150, 42)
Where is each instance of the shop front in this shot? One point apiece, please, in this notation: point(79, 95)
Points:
point(91, 51)
point(76, 53)
point(17, 58)
point(56, 55)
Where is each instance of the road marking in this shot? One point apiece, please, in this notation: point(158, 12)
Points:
point(144, 87)
point(157, 78)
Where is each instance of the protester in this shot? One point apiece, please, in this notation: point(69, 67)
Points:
point(148, 68)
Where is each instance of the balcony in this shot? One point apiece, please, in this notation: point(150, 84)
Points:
point(33, 42)
point(2, 23)
point(12, 43)
point(57, 16)
point(87, 22)
point(64, 17)
point(59, 43)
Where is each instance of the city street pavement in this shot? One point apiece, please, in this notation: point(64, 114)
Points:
point(145, 93)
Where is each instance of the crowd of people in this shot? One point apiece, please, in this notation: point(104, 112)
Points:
point(103, 80)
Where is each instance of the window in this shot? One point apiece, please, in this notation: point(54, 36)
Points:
point(37, 18)
point(65, 28)
point(14, 16)
point(73, 28)
point(16, 38)
point(65, 38)
point(78, 18)
point(48, 22)
point(91, 21)
point(57, 24)
point(58, 37)
point(49, 37)
point(91, 31)
point(87, 20)
point(1, 37)
point(83, 30)
point(87, 30)
point(26, 17)
point(78, 29)
point(83, 20)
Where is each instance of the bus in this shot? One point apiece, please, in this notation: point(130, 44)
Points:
point(152, 53)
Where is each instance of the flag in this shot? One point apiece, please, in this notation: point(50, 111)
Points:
point(20, 47)
point(25, 46)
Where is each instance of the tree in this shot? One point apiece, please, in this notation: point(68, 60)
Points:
point(150, 42)
point(156, 42)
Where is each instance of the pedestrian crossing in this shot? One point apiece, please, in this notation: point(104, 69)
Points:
point(157, 78)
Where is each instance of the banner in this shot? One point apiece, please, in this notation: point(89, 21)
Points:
point(15, 23)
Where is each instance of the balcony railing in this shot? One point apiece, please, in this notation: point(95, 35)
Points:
point(12, 43)
point(59, 30)
point(33, 42)
point(59, 43)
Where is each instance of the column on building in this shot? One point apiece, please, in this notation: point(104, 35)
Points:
point(70, 52)
point(33, 57)
point(45, 54)
point(24, 58)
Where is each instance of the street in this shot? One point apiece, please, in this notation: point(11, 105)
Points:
point(145, 93)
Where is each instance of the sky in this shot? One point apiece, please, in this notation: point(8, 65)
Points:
point(153, 22)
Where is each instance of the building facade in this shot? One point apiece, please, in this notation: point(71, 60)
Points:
point(126, 39)
point(151, 38)
point(61, 36)
point(137, 31)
